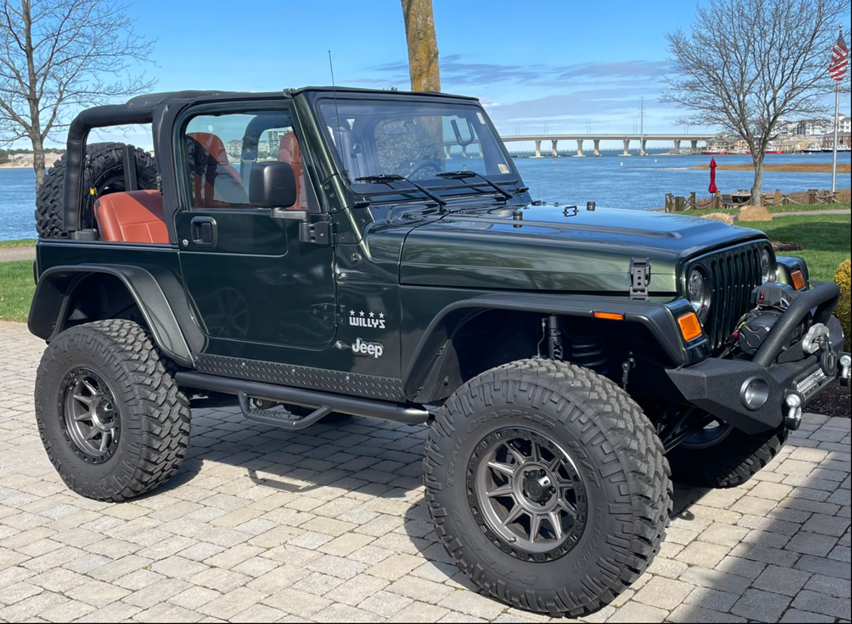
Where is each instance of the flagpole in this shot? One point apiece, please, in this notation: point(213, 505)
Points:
point(834, 151)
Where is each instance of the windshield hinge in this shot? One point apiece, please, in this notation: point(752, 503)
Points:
point(316, 232)
point(640, 278)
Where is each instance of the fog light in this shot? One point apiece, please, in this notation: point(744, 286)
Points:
point(793, 419)
point(755, 393)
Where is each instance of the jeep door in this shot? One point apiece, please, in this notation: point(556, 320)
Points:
point(253, 284)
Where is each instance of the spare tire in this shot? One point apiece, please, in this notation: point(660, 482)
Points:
point(103, 171)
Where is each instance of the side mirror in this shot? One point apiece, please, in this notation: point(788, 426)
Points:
point(272, 185)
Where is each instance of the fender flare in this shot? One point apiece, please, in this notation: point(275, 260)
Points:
point(54, 293)
point(660, 319)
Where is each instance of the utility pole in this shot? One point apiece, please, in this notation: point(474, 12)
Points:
point(642, 127)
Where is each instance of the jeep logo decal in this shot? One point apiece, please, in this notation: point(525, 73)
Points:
point(374, 349)
point(370, 320)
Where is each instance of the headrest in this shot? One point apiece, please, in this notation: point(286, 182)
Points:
point(289, 150)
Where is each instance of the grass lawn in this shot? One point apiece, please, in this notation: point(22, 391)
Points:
point(772, 209)
point(826, 239)
point(16, 290)
point(24, 242)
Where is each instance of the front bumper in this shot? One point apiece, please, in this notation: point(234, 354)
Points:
point(755, 395)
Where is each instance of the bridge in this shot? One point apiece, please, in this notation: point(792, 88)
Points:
point(554, 139)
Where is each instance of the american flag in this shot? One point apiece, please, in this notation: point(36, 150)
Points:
point(839, 60)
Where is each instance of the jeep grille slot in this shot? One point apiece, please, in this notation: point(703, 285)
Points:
point(734, 273)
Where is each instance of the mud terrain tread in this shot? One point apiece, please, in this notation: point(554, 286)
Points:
point(161, 413)
point(730, 463)
point(102, 157)
point(632, 440)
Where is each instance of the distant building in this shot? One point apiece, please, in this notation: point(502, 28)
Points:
point(275, 140)
point(844, 124)
point(844, 141)
point(234, 148)
point(813, 127)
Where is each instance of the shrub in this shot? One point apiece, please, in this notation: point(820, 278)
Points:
point(844, 307)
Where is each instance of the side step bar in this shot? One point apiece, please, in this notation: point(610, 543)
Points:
point(276, 418)
point(353, 406)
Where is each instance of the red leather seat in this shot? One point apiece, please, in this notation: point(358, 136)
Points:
point(133, 217)
point(215, 183)
point(290, 152)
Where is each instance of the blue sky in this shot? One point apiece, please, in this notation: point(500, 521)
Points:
point(565, 66)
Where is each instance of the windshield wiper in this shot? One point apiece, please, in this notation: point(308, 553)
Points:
point(390, 178)
point(462, 175)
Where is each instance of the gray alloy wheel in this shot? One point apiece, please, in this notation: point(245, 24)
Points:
point(91, 415)
point(529, 494)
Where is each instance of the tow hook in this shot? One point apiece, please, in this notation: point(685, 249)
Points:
point(793, 419)
point(845, 365)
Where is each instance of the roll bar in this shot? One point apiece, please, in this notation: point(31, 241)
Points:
point(139, 110)
point(78, 132)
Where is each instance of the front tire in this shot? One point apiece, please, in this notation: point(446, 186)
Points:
point(728, 460)
point(561, 431)
point(111, 417)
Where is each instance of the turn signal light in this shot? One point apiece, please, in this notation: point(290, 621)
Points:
point(609, 316)
point(690, 327)
point(799, 282)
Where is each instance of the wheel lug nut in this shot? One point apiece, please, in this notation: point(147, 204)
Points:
point(553, 490)
point(542, 472)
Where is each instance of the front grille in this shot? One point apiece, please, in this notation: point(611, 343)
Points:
point(734, 273)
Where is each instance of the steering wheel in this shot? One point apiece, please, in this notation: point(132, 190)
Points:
point(424, 164)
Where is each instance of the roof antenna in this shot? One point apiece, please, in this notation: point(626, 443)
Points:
point(336, 111)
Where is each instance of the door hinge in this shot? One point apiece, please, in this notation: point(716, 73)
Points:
point(640, 278)
point(325, 312)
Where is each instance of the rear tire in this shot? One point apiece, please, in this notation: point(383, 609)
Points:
point(597, 438)
point(730, 462)
point(111, 417)
point(104, 173)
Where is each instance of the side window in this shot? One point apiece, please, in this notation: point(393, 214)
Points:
point(220, 150)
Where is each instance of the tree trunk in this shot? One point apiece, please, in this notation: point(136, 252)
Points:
point(757, 184)
point(423, 61)
point(38, 161)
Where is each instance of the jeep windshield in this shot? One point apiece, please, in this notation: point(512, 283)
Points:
point(418, 140)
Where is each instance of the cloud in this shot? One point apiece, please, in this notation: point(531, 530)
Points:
point(455, 71)
point(616, 70)
point(570, 95)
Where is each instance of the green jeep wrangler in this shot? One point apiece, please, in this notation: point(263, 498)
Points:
point(375, 253)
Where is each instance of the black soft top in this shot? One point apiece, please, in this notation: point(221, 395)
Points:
point(150, 101)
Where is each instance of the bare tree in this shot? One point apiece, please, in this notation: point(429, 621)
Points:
point(60, 55)
point(746, 64)
point(423, 63)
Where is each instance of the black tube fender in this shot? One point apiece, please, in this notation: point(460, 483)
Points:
point(55, 290)
point(660, 319)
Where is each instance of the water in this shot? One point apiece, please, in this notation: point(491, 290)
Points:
point(17, 204)
point(642, 183)
point(611, 180)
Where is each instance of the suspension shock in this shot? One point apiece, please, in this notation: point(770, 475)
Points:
point(554, 337)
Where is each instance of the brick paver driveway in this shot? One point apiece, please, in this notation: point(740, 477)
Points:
point(330, 525)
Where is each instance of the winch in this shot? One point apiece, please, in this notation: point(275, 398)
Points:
point(769, 302)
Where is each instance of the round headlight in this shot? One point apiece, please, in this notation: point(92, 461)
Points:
point(699, 293)
point(767, 267)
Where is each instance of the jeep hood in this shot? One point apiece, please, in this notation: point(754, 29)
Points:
point(552, 248)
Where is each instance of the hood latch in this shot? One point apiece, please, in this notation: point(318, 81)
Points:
point(640, 278)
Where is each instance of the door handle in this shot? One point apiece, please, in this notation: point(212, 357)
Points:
point(204, 231)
